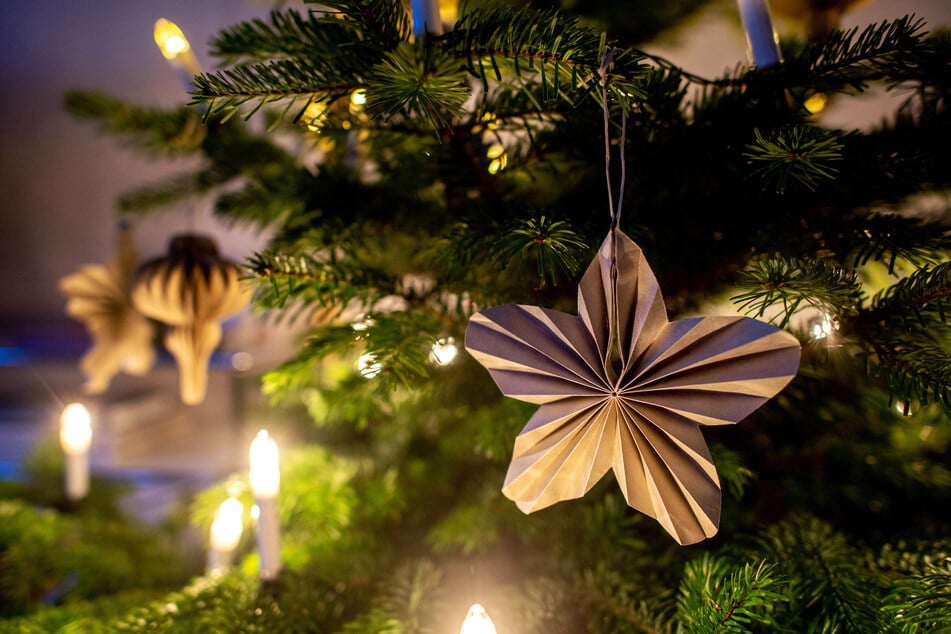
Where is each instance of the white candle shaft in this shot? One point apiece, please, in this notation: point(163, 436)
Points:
point(268, 536)
point(77, 475)
point(218, 559)
point(759, 32)
point(426, 18)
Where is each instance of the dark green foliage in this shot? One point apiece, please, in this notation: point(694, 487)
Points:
point(50, 558)
point(796, 284)
point(801, 153)
point(388, 217)
point(715, 597)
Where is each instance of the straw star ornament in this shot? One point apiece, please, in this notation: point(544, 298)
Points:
point(622, 388)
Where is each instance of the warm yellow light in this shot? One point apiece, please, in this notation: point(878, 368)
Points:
point(265, 473)
point(449, 10)
point(368, 366)
point(477, 622)
point(314, 115)
point(170, 39)
point(823, 327)
point(444, 351)
point(495, 150)
point(358, 98)
point(363, 322)
point(498, 164)
point(816, 102)
point(75, 432)
point(228, 525)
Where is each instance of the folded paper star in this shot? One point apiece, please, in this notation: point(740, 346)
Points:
point(622, 388)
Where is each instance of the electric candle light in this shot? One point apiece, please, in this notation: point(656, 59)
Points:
point(265, 477)
point(175, 48)
point(444, 351)
point(75, 437)
point(762, 39)
point(426, 17)
point(477, 622)
point(226, 532)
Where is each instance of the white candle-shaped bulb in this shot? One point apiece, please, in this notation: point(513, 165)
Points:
point(75, 437)
point(176, 49)
point(226, 530)
point(426, 18)
point(265, 479)
point(477, 621)
point(760, 35)
point(228, 525)
point(265, 474)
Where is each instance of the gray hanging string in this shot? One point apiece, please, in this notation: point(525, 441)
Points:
point(614, 356)
point(609, 54)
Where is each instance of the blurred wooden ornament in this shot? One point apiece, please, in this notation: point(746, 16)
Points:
point(99, 296)
point(190, 290)
point(820, 17)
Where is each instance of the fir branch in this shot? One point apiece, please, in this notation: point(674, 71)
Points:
point(405, 601)
point(927, 291)
point(283, 279)
point(292, 35)
point(923, 603)
point(554, 246)
point(716, 597)
point(157, 131)
point(615, 600)
point(382, 21)
point(421, 82)
point(907, 335)
point(829, 591)
point(913, 370)
point(884, 236)
point(734, 474)
point(546, 48)
point(796, 284)
point(802, 153)
point(173, 190)
point(853, 58)
point(262, 204)
point(920, 597)
point(297, 83)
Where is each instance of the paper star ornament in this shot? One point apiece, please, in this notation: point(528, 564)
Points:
point(98, 295)
point(622, 388)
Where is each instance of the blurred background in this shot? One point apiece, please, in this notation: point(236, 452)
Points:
point(61, 180)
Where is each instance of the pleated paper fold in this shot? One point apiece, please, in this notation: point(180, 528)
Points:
point(622, 388)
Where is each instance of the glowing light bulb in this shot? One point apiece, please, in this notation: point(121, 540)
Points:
point(75, 432)
point(368, 366)
point(265, 473)
point(265, 476)
point(477, 622)
point(174, 47)
point(495, 150)
point(815, 102)
point(75, 437)
point(170, 39)
point(498, 164)
point(227, 526)
point(444, 351)
point(358, 98)
point(822, 327)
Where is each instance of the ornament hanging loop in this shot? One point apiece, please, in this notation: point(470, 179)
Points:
point(610, 54)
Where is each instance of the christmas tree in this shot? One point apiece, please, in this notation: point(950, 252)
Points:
point(413, 172)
